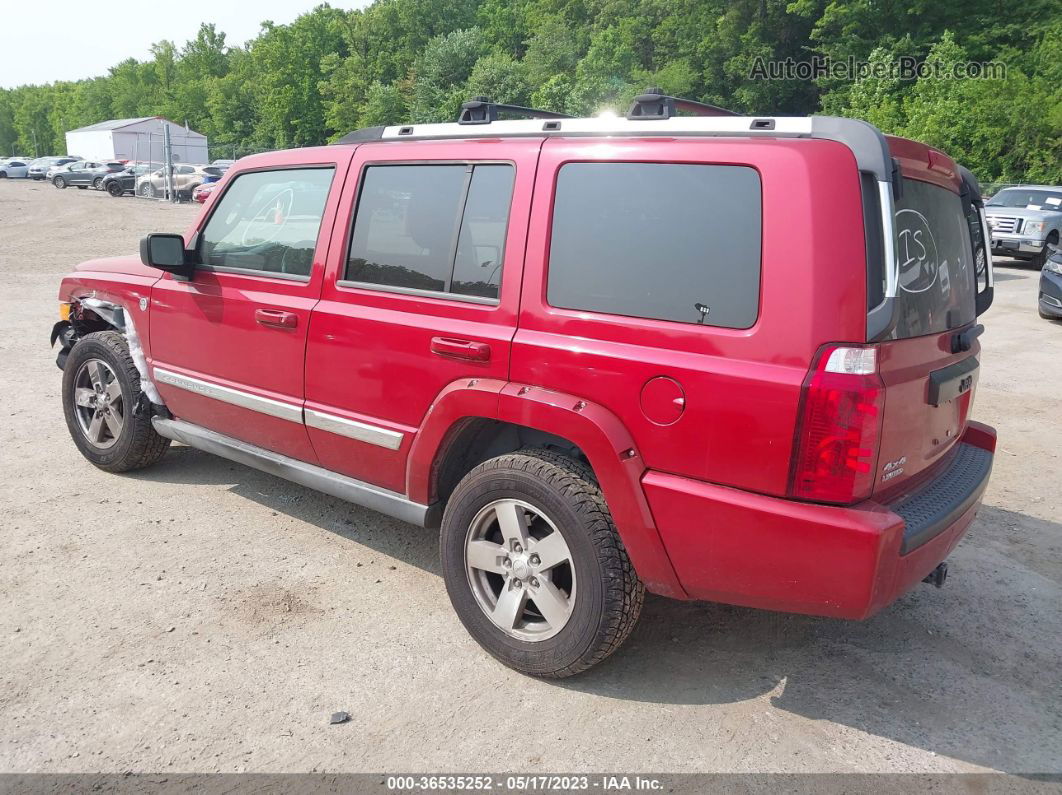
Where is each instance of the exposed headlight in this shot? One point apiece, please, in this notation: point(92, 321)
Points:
point(1032, 228)
point(1054, 266)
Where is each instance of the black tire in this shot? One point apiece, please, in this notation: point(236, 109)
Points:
point(1041, 259)
point(97, 183)
point(3, 175)
point(137, 445)
point(59, 182)
point(114, 187)
point(608, 597)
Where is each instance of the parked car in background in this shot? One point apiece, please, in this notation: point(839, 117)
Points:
point(186, 178)
point(40, 168)
point(122, 182)
point(202, 193)
point(14, 168)
point(732, 390)
point(224, 165)
point(1051, 285)
point(85, 173)
point(1025, 220)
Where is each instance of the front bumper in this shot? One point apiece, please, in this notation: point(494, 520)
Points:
point(1016, 245)
point(737, 547)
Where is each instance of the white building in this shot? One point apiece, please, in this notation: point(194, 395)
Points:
point(137, 139)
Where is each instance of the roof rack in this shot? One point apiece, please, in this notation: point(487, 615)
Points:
point(653, 103)
point(480, 110)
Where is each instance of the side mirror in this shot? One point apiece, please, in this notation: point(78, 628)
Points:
point(166, 252)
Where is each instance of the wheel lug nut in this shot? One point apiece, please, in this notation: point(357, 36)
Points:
point(517, 584)
point(517, 548)
point(535, 560)
point(534, 582)
point(507, 563)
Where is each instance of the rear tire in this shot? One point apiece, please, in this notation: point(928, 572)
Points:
point(97, 183)
point(101, 388)
point(566, 616)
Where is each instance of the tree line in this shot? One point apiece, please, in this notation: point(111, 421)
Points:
point(332, 71)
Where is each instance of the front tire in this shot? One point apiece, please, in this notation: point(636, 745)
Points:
point(534, 566)
point(147, 190)
point(114, 187)
point(101, 387)
point(59, 182)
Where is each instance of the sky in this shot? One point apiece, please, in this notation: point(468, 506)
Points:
point(49, 40)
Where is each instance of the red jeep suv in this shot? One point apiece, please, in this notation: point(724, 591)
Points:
point(710, 356)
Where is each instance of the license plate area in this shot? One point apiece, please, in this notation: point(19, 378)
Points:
point(952, 381)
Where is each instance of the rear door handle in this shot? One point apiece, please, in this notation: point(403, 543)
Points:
point(461, 349)
point(276, 318)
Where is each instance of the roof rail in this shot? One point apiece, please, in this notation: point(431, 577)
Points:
point(480, 110)
point(653, 103)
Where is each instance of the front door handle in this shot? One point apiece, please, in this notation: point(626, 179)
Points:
point(461, 349)
point(276, 318)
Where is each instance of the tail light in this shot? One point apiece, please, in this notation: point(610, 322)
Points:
point(836, 446)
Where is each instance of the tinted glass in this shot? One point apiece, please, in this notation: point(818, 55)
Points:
point(935, 253)
point(656, 240)
point(268, 221)
point(404, 227)
point(481, 244)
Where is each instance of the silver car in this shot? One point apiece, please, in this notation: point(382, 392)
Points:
point(1025, 220)
point(40, 167)
point(14, 168)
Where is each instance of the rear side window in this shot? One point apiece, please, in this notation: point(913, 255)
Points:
point(937, 289)
point(658, 240)
point(435, 228)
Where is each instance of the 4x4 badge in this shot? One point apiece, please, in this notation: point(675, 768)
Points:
point(893, 468)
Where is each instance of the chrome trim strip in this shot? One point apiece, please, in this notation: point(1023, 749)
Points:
point(235, 397)
point(987, 234)
point(314, 477)
point(352, 429)
point(888, 218)
point(436, 294)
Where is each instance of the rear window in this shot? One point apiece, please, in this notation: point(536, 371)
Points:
point(935, 252)
point(664, 241)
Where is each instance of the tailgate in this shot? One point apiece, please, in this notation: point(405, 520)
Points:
point(928, 394)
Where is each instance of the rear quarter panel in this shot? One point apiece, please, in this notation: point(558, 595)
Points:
point(741, 386)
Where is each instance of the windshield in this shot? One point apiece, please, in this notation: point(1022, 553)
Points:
point(1033, 199)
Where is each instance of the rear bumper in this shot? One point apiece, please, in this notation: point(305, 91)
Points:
point(741, 548)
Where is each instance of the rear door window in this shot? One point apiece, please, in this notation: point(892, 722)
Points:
point(935, 252)
point(432, 227)
point(665, 241)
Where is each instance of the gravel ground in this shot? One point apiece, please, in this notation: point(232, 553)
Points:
point(202, 616)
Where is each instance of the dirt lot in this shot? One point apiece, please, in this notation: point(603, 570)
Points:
point(201, 616)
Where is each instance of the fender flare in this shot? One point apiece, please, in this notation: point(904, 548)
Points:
point(601, 436)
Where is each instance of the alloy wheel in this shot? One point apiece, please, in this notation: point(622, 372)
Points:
point(98, 403)
point(520, 570)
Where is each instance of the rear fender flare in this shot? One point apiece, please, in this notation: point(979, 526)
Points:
point(594, 429)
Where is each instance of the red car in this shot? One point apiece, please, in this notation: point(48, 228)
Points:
point(202, 192)
point(713, 357)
